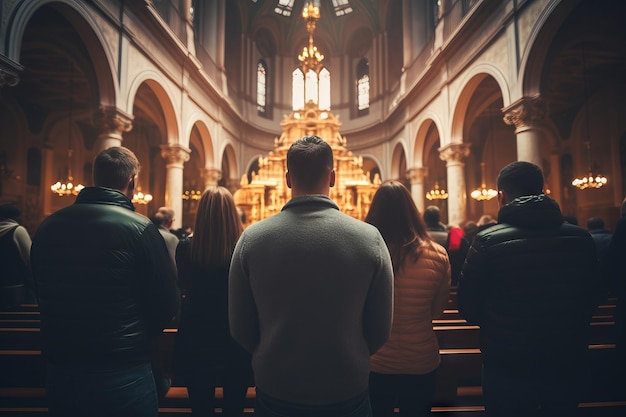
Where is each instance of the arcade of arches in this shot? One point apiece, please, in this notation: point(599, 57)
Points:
point(425, 92)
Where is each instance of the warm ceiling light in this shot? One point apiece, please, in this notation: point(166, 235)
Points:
point(483, 193)
point(437, 193)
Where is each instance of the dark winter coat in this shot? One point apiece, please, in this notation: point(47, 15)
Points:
point(105, 282)
point(528, 282)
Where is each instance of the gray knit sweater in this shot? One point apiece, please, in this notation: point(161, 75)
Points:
point(311, 296)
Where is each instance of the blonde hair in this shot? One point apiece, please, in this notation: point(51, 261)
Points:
point(217, 228)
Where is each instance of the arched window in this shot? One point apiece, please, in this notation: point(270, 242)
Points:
point(314, 87)
point(261, 87)
point(310, 87)
point(297, 89)
point(363, 86)
point(324, 103)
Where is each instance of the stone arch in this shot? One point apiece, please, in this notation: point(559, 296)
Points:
point(399, 163)
point(100, 53)
point(156, 83)
point(470, 83)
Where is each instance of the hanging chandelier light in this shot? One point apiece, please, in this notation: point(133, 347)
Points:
point(591, 179)
point(311, 58)
point(437, 193)
point(483, 193)
point(141, 198)
point(66, 187)
point(191, 195)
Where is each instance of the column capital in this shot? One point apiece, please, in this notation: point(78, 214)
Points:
point(110, 119)
point(417, 175)
point(9, 72)
point(211, 176)
point(525, 112)
point(175, 155)
point(454, 152)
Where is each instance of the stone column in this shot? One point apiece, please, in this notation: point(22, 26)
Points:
point(526, 114)
point(416, 177)
point(454, 155)
point(211, 176)
point(175, 156)
point(111, 123)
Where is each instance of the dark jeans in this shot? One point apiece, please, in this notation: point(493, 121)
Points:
point(412, 394)
point(201, 391)
point(122, 393)
point(266, 406)
point(541, 395)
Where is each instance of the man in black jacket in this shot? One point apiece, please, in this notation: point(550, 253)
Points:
point(106, 288)
point(528, 282)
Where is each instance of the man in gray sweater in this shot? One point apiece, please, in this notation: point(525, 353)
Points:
point(311, 297)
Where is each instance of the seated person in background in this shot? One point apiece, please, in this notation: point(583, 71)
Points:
point(601, 236)
point(437, 230)
point(485, 221)
point(163, 218)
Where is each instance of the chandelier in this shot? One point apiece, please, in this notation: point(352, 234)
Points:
point(66, 187)
point(590, 180)
point(141, 198)
point(191, 195)
point(436, 193)
point(483, 193)
point(310, 58)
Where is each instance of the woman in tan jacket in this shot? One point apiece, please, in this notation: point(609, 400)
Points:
point(403, 370)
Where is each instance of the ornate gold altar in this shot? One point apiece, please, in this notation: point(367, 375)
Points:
point(267, 191)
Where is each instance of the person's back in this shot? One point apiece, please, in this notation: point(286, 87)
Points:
point(601, 236)
point(404, 369)
point(16, 286)
point(528, 283)
point(205, 355)
point(164, 218)
point(437, 230)
point(106, 289)
point(311, 297)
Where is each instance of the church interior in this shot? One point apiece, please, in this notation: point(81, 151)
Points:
point(437, 94)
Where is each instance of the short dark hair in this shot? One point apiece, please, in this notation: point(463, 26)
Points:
point(309, 159)
point(520, 178)
point(9, 210)
point(432, 215)
point(114, 167)
point(595, 223)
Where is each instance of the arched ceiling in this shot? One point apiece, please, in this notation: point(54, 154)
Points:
point(332, 30)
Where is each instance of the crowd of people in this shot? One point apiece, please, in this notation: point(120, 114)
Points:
point(323, 314)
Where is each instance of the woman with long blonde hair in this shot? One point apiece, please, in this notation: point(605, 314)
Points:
point(205, 354)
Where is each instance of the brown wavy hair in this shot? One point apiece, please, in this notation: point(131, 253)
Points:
point(395, 215)
point(217, 228)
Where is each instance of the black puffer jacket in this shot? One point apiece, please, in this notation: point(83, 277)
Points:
point(105, 282)
point(528, 282)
